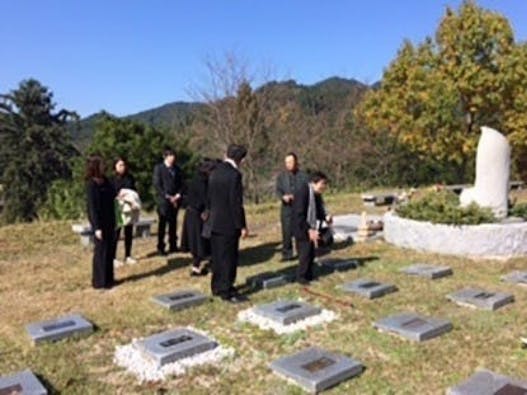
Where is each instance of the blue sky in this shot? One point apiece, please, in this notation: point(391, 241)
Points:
point(130, 55)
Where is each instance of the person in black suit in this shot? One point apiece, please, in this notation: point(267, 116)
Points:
point(192, 239)
point(308, 209)
point(226, 223)
point(100, 197)
point(168, 183)
point(287, 182)
point(124, 180)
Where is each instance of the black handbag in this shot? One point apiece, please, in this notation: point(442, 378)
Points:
point(325, 239)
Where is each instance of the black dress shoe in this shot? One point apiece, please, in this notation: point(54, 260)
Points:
point(287, 259)
point(197, 273)
point(235, 298)
point(161, 253)
point(303, 281)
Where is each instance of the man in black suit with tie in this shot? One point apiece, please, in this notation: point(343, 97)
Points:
point(226, 222)
point(168, 183)
point(308, 210)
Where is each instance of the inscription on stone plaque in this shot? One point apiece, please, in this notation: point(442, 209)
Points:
point(318, 364)
point(369, 285)
point(181, 296)
point(289, 307)
point(510, 389)
point(177, 340)
point(414, 323)
point(12, 390)
point(484, 295)
point(58, 325)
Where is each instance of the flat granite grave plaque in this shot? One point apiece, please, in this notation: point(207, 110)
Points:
point(270, 281)
point(173, 345)
point(369, 288)
point(60, 328)
point(481, 299)
point(340, 265)
point(22, 383)
point(180, 300)
point(486, 382)
point(287, 312)
point(428, 271)
point(413, 326)
point(315, 369)
point(516, 277)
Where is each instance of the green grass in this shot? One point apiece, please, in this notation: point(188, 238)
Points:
point(44, 272)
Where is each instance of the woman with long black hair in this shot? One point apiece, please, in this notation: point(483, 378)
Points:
point(101, 214)
point(122, 179)
point(192, 239)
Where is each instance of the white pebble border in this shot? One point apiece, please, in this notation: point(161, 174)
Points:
point(265, 323)
point(146, 370)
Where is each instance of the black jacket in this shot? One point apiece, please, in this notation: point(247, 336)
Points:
point(196, 193)
point(287, 183)
point(225, 200)
point(300, 207)
point(125, 182)
point(167, 183)
point(101, 211)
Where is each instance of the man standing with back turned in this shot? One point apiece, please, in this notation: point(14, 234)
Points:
point(227, 223)
point(168, 184)
point(287, 183)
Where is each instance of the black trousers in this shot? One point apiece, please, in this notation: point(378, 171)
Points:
point(103, 256)
point(286, 216)
point(171, 220)
point(128, 237)
point(225, 252)
point(306, 255)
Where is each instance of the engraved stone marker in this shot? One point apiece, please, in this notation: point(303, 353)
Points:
point(59, 328)
point(339, 265)
point(180, 300)
point(413, 326)
point(428, 271)
point(486, 382)
point(21, 383)
point(173, 345)
point(270, 281)
point(481, 299)
point(516, 277)
point(315, 369)
point(287, 312)
point(369, 288)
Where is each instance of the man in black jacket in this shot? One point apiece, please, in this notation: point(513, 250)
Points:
point(287, 183)
point(308, 209)
point(168, 183)
point(226, 222)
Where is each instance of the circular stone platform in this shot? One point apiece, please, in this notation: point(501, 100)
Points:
point(490, 241)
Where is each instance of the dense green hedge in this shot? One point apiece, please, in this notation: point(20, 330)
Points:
point(443, 208)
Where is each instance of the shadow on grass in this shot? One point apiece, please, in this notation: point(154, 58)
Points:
point(287, 274)
point(51, 390)
point(173, 263)
point(258, 254)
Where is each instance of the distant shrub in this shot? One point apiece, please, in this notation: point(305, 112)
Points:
point(65, 200)
point(443, 208)
point(519, 210)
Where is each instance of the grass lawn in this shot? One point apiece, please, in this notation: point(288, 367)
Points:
point(45, 273)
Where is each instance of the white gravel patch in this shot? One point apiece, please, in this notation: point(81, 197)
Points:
point(146, 370)
point(265, 323)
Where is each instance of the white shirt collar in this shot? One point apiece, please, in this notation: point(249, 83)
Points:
point(232, 163)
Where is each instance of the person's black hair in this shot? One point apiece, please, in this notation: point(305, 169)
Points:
point(236, 152)
point(168, 151)
point(207, 166)
point(118, 159)
point(293, 155)
point(317, 176)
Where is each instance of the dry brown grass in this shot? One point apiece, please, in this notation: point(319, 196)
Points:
point(44, 273)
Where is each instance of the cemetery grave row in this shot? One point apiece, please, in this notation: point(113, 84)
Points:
point(314, 369)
